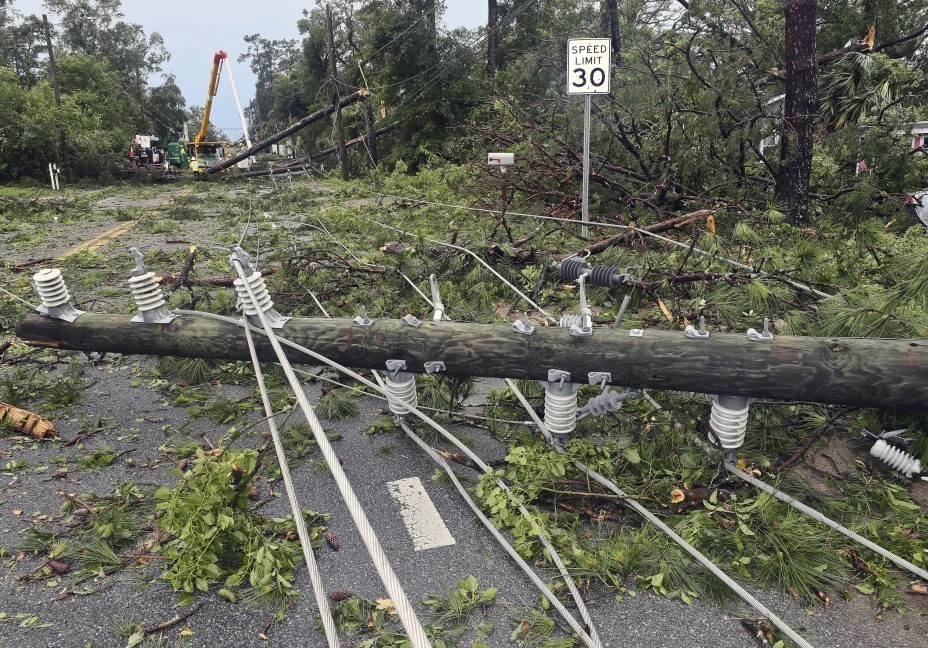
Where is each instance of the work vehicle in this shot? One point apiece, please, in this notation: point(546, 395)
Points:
point(146, 150)
point(200, 153)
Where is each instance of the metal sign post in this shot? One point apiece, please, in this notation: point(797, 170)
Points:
point(589, 70)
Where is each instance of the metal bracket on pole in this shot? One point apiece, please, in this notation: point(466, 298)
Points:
point(766, 336)
point(362, 319)
point(394, 367)
point(601, 378)
point(523, 326)
point(435, 366)
point(701, 334)
point(411, 320)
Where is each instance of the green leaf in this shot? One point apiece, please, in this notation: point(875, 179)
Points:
point(135, 639)
point(631, 455)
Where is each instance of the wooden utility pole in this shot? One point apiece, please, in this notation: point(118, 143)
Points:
point(615, 33)
point(360, 95)
point(371, 137)
point(339, 124)
point(862, 372)
point(53, 68)
point(492, 14)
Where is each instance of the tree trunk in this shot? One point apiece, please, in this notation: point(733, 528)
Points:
point(491, 37)
point(615, 34)
point(799, 110)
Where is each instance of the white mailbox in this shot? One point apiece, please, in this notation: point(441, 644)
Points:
point(500, 159)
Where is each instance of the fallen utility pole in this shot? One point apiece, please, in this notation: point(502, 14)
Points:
point(322, 113)
point(295, 165)
point(334, 149)
point(862, 372)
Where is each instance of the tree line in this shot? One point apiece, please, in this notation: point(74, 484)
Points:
point(749, 105)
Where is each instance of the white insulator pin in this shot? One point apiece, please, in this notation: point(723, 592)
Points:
point(560, 412)
point(729, 420)
point(262, 301)
point(403, 395)
point(146, 292)
point(49, 284)
point(897, 459)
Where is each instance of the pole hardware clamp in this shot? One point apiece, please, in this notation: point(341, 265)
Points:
point(697, 334)
point(601, 378)
point(411, 320)
point(434, 366)
point(766, 336)
point(523, 326)
point(559, 383)
point(362, 319)
point(395, 367)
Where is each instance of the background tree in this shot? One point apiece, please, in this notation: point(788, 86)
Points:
point(799, 109)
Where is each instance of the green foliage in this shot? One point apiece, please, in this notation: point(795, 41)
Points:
point(216, 538)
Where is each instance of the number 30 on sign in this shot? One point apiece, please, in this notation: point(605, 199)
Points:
point(589, 65)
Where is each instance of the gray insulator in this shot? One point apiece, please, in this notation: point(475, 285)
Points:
point(607, 276)
point(606, 403)
point(560, 412)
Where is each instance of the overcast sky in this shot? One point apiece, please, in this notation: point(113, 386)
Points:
point(194, 30)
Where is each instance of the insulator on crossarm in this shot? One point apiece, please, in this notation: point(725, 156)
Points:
point(254, 284)
point(560, 405)
point(56, 300)
point(896, 458)
point(729, 420)
point(261, 303)
point(401, 389)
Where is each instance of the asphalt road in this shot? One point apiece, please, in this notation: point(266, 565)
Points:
point(139, 414)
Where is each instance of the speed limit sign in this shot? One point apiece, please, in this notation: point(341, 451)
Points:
point(589, 65)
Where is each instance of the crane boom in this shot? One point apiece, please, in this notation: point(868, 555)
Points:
point(218, 59)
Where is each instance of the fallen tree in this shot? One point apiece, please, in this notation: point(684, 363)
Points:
point(856, 371)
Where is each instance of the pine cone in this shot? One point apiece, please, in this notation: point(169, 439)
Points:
point(340, 595)
point(332, 540)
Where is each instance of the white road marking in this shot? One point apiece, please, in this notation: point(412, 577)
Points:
point(422, 520)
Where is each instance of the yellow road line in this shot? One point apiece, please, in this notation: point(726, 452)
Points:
point(119, 229)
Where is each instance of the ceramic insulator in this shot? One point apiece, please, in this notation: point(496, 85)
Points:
point(146, 292)
point(606, 403)
point(263, 299)
point(402, 393)
point(49, 284)
point(560, 412)
point(897, 459)
point(728, 420)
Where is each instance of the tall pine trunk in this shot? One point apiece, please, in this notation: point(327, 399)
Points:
point(799, 110)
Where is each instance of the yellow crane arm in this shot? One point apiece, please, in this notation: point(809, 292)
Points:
point(219, 57)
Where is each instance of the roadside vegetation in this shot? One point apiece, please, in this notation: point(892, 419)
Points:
point(683, 147)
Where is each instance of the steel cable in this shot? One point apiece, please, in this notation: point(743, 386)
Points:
point(815, 515)
point(322, 601)
point(653, 519)
point(438, 428)
point(381, 563)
